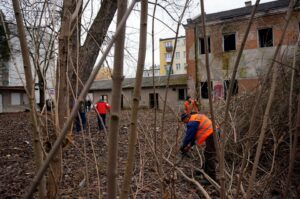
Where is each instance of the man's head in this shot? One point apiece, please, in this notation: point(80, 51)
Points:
point(188, 98)
point(185, 117)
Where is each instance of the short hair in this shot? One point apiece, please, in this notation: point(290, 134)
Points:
point(184, 115)
point(188, 97)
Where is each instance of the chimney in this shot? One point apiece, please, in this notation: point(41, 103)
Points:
point(248, 3)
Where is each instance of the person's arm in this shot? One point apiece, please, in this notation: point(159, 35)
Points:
point(107, 106)
point(192, 128)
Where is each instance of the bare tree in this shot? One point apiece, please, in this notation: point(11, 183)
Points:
point(214, 144)
point(136, 99)
point(37, 148)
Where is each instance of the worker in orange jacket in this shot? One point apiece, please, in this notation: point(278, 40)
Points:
point(190, 106)
point(200, 130)
point(101, 108)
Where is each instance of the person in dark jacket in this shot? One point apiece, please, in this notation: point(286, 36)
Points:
point(80, 120)
point(102, 108)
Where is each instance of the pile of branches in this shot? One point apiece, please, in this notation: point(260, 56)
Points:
point(275, 156)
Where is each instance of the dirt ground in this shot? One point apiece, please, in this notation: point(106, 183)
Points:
point(83, 178)
point(85, 161)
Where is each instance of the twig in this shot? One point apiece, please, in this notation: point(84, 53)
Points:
point(203, 191)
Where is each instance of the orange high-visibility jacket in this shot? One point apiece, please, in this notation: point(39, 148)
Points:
point(190, 107)
point(205, 128)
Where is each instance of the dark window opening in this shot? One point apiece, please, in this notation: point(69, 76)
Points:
point(151, 100)
point(201, 45)
point(265, 37)
point(229, 42)
point(182, 94)
point(204, 90)
point(235, 88)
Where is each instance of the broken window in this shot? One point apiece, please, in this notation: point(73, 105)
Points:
point(182, 94)
point(265, 37)
point(235, 88)
point(201, 45)
point(229, 42)
point(153, 101)
point(204, 90)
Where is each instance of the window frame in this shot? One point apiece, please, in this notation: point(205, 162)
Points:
point(168, 44)
point(259, 40)
point(177, 55)
point(201, 40)
point(223, 43)
point(13, 100)
point(180, 96)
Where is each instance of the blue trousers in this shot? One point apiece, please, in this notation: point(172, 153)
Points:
point(80, 122)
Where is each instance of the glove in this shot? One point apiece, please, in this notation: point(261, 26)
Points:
point(184, 149)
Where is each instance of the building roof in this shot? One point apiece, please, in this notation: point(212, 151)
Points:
point(171, 38)
point(128, 83)
point(264, 8)
point(12, 88)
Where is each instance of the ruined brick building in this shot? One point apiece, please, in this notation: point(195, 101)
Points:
point(225, 31)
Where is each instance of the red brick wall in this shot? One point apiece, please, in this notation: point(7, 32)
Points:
point(190, 49)
point(215, 31)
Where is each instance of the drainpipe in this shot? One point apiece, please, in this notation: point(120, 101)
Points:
point(197, 72)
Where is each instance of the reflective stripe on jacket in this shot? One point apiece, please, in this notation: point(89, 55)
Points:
point(190, 107)
point(204, 129)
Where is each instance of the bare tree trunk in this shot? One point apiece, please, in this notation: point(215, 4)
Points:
point(222, 145)
point(160, 171)
point(75, 108)
point(271, 96)
point(136, 99)
point(36, 132)
point(214, 148)
point(153, 82)
point(115, 105)
point(88, 53)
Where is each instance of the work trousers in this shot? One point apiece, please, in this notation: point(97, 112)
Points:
point(80, 122)
point(103, 117)
point(210, 157)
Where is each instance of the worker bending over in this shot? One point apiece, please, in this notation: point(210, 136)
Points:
point(200, 130)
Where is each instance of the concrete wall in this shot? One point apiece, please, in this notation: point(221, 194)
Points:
point(254, 61)
point(172, 101)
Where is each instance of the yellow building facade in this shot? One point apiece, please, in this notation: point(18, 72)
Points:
point(166, 48)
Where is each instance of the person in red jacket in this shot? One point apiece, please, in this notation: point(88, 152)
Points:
point(101, 108)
